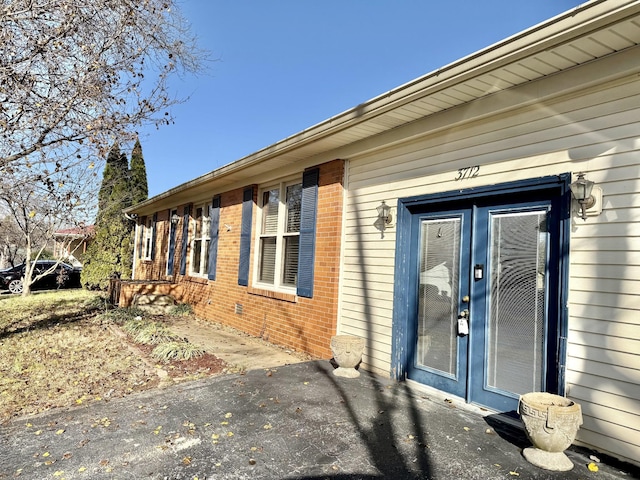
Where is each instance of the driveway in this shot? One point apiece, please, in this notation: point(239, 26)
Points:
point(290, 422)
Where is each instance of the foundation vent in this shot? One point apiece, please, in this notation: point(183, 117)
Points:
point(238, 309)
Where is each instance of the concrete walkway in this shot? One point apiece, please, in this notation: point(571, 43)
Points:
point(241, 351)
point(291, 422)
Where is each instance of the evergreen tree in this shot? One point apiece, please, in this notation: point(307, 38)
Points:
point(112, 249)
point(138, 175)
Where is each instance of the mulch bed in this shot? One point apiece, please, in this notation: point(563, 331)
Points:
point(197, 367)
point(203, 366)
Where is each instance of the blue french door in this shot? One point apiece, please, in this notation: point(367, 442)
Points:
point(443, 259)
point(485, 284)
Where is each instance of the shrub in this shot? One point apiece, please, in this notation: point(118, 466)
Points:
point(177, 351)
point(150, 333)
point(134, 325)
point(181, 310)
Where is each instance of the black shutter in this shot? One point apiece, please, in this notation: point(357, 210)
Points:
point(245, 236)
point(214, 234)
point(185, 239)
point(306, 254)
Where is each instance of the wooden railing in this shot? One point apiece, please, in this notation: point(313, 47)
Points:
point(115, 284)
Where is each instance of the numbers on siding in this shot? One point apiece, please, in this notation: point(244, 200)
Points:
point(468, 172)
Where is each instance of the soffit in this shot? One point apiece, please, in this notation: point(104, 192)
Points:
point(591, 31)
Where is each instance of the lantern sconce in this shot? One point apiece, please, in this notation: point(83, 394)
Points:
point(384, 214)
point(175, 219)
point(588, 196)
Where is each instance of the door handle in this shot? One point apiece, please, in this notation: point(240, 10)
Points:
point(464, 314)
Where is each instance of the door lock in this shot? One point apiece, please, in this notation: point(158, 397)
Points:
point(463, 322)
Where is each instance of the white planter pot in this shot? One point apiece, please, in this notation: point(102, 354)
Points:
point(551, 423)
point(347, 352)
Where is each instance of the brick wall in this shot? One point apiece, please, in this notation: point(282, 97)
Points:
point(304, 324)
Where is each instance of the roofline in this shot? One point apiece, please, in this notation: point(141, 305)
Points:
point(553, 31)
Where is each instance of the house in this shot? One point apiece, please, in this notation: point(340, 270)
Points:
point(70, 244)
point(438, 222)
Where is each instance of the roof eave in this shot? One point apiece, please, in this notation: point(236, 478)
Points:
point(559, 29)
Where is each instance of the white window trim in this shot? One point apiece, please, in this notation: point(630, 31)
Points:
point(204, 238)
point(279, 261)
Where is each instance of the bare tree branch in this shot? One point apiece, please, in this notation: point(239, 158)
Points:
point(78, 75)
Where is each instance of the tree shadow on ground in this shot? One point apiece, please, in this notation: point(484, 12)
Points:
point(47, 320)
point(380, 436)
point(506, 430)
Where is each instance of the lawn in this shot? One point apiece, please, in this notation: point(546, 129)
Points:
point(65, 348)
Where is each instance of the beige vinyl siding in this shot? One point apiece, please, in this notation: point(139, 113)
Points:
point(603, 364)
point(596, 131)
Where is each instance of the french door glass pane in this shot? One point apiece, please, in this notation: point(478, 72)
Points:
point(290, 270)
point(437, 346)
point(267, 259)
point(518, 282)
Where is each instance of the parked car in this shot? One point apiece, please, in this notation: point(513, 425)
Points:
point(63, 276)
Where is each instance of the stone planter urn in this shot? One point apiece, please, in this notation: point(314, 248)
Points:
point(347, 352)
point(551, 423)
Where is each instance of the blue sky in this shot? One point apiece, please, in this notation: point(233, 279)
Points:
point(285, 65)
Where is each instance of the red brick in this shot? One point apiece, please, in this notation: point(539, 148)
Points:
point(302, 324)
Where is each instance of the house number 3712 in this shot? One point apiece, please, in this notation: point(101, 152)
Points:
point(468, 172)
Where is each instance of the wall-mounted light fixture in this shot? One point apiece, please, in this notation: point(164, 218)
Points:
point(384, 214)
point(581, 190)
point(175, 218)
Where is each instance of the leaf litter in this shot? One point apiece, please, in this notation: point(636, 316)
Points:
point(57, 349)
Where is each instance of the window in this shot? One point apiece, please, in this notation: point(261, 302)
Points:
point(280, 235)
point(147, 235)
point(286, 237)
point(200, 242)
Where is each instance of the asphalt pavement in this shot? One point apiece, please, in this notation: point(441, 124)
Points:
point(291, 422)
